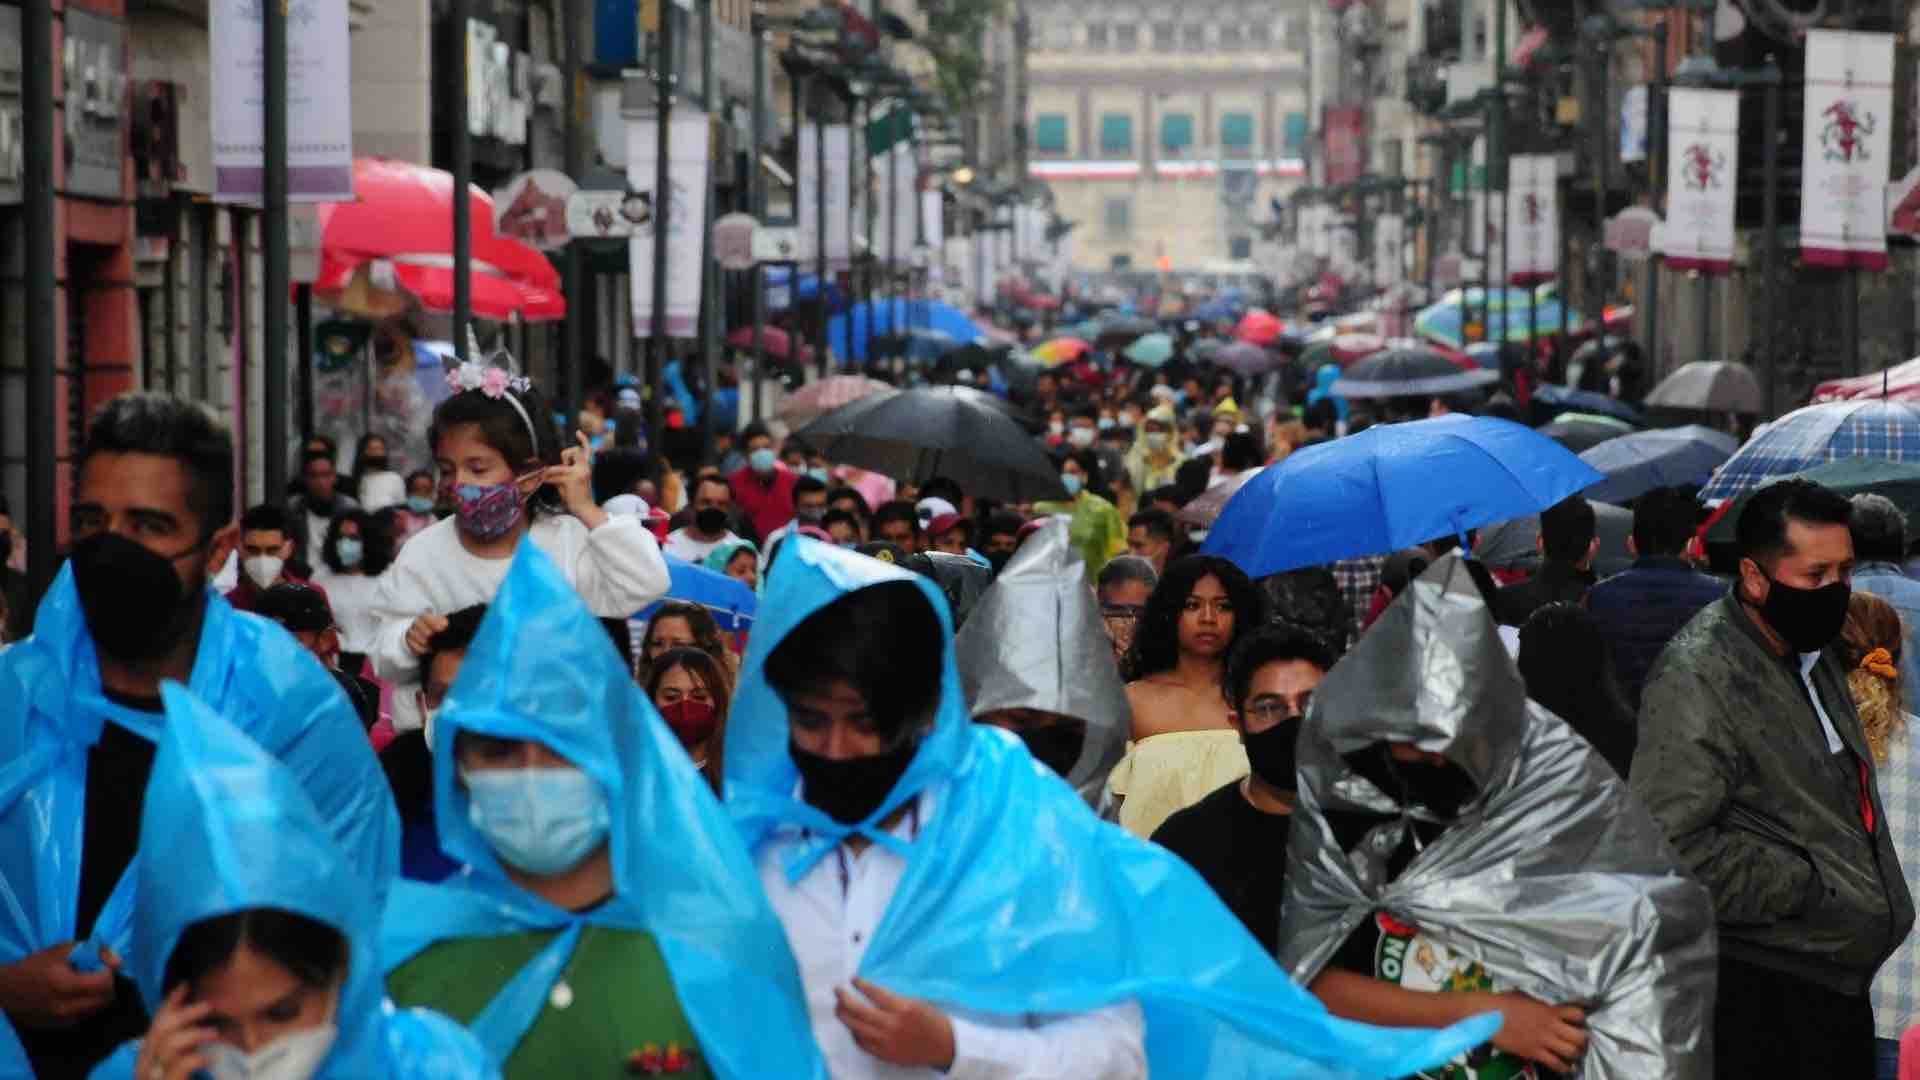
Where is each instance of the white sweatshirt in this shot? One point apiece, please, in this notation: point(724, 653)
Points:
point(617, 569)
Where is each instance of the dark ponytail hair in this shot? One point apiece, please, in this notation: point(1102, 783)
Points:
point(315, 953)
point(502, 427)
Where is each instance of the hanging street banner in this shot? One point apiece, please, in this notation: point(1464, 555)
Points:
point(1389, 236)
point(1533, 219)
point(1846, 144)
point(905, 177)
point(319, 100)
point(933, 221)
point(839, 193)
point(686, 218)
point(1703, 158)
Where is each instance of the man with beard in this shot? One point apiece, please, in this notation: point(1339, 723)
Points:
point(80, 713)
point(1233, 836)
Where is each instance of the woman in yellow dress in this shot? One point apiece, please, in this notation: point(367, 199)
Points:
point(1184, 743)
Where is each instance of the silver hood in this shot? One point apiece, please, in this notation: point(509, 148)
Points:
point(1553, 877)
point(1036, 641)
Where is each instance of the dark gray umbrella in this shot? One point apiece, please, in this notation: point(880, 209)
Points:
point(1247, 358)
point(1708, 386)
point(1118, 331)
point(1409, 373)
point(950, 431)
point(1515, 545)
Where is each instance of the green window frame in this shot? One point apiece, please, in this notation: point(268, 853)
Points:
point(1236, 131)
point(1296, 140)
point(1050, 133)
point(1116, 133)
point(1176, 131)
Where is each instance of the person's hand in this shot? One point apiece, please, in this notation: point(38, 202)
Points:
point(573, 479)
point(897, 1030)
point(422, 631)
point(44, 991)
point(171, 1050)
point(1551, 1035)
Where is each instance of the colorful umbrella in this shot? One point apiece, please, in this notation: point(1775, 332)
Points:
point(1446, 321)
point(1258, 327)
point(1889, 430)
point(1061, 350)
point(1899, 481)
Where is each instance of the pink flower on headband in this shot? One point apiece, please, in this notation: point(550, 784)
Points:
point(491, 380)
point(495, 382)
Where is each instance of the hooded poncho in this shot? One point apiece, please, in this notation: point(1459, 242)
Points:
point(541, 668)
point(1036, 641)
point(1016, 899)
point(239, 832)
point(1552, 879)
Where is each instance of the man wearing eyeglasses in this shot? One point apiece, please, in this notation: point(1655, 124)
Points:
point(1236, 838)
point(1124, 585)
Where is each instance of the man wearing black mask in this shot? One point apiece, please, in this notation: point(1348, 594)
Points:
point(1752, 757)
point(152, 515)
point(712, 506)
point(1235, 837)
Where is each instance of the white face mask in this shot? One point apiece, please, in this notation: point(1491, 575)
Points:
point(264, 570)
point(293, 1056)
point(1081, 437)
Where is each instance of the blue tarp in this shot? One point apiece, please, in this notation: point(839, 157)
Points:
point(897, 316)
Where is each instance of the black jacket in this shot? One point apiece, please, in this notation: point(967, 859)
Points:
point(1641, 608)
point(1553, 583)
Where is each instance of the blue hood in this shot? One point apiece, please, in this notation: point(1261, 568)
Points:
point(240, 832)
point(542, 668)
point(52, 710)
point(1017, 899)
point(1323, 381)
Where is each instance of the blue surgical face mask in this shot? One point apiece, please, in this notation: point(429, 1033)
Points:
point(1105, 423)
point(1072, 482)
point(349, 551)
point(420, 504)
point(542, 821)
point(818, 474)
point(761, 460)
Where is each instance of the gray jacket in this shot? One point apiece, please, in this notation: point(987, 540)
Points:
point(1733, 763)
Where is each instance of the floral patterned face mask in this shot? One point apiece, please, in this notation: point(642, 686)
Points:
point(488, 512)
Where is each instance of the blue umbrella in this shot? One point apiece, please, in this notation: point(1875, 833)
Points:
point(1552, 399)
point(780, 286)
point(732, 604)
point(1485, 353)
point(1390, 487)
point(1889, 430)
point(1636, 464)
point(896, 316)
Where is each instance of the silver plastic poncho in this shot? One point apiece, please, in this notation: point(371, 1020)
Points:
point(1036, 641)
point(1553, 880)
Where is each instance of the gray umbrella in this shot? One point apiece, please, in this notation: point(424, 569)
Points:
point(952, 431)
point(1247, 358)
point(1709, 386)
point(1409, 373)
point(1514, 545)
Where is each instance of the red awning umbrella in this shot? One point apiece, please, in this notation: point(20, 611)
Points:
point(776, 342)
point(1258, 327)
point(400, 209)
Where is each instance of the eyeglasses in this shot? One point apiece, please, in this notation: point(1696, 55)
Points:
point(1270, 713)
point(1122, 611)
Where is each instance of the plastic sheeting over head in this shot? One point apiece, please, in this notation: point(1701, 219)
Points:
point(541, 668)
point(239, 832)
point(1017, 899)
point(1036, 641)
point(1552, 878)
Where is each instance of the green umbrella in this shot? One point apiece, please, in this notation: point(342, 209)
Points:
point(1899, 481)
point(1150, 350)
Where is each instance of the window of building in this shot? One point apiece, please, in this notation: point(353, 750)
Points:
point(1098, 35)
point(1116, 133)
point(1236, 132)
point(1117, 216)
point(1176, 131)
point(1193, 37)
point(1259, 36)
point(1126, 37)
point(1060, 36)
point(1239, 247)
point(1050, 133)
point(1296, 33)
point(1296, 134)
point(1163, 36)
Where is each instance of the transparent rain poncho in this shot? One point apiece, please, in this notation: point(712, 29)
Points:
point(1015, 899)
point(1553, 878)
point(542, 668)
point(52, 710)
point(239, 832)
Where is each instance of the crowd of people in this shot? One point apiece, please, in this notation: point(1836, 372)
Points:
point(424, 768)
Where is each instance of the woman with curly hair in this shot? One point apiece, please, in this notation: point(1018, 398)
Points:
point(680, 625)
point(1184, 743)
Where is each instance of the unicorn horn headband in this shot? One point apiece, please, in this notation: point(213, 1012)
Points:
point(497, 383)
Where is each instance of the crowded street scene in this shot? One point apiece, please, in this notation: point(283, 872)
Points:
point(1002, 539)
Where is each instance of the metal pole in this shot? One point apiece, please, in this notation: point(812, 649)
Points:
point(757, 196)
point(1657, 160)
point(863, 120)
point(1597, 290)
point(1853, 320)
point(460, 13)
point(574, 265)
point(303, 355)
point(1770, 237)
point(820, 223)
point(273, 239)
point(662, 218)
point(893, 218)
point(36, 211)
point(710, 310)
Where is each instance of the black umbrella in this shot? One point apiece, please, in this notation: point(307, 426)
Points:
point(1515, 545)
point(1122, 330)
point(950, 431)
point(1580, 432)
point(1409, 373)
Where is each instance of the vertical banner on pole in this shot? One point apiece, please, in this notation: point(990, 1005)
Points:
point(1846, 141)
point(905, 202)
point(319, 101)
point(933, 221)
point(839, 139)
point(806, 194)
point(686, 213)
point(1533, 219)
point(1389, 236)
point(1703, 158)
point(983, 267)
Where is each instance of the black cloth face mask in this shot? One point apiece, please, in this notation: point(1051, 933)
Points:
point(710, 520)
point(1441, 789)
point(1809, 619)
point(1057, 746)
point(134, 601)
point(849, 790)
point(1271, 753)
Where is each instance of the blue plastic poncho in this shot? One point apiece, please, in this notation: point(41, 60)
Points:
point(239, 832)
point(52, 710)
point(541, 668)
point(1323, 381)
point(1016, 899)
